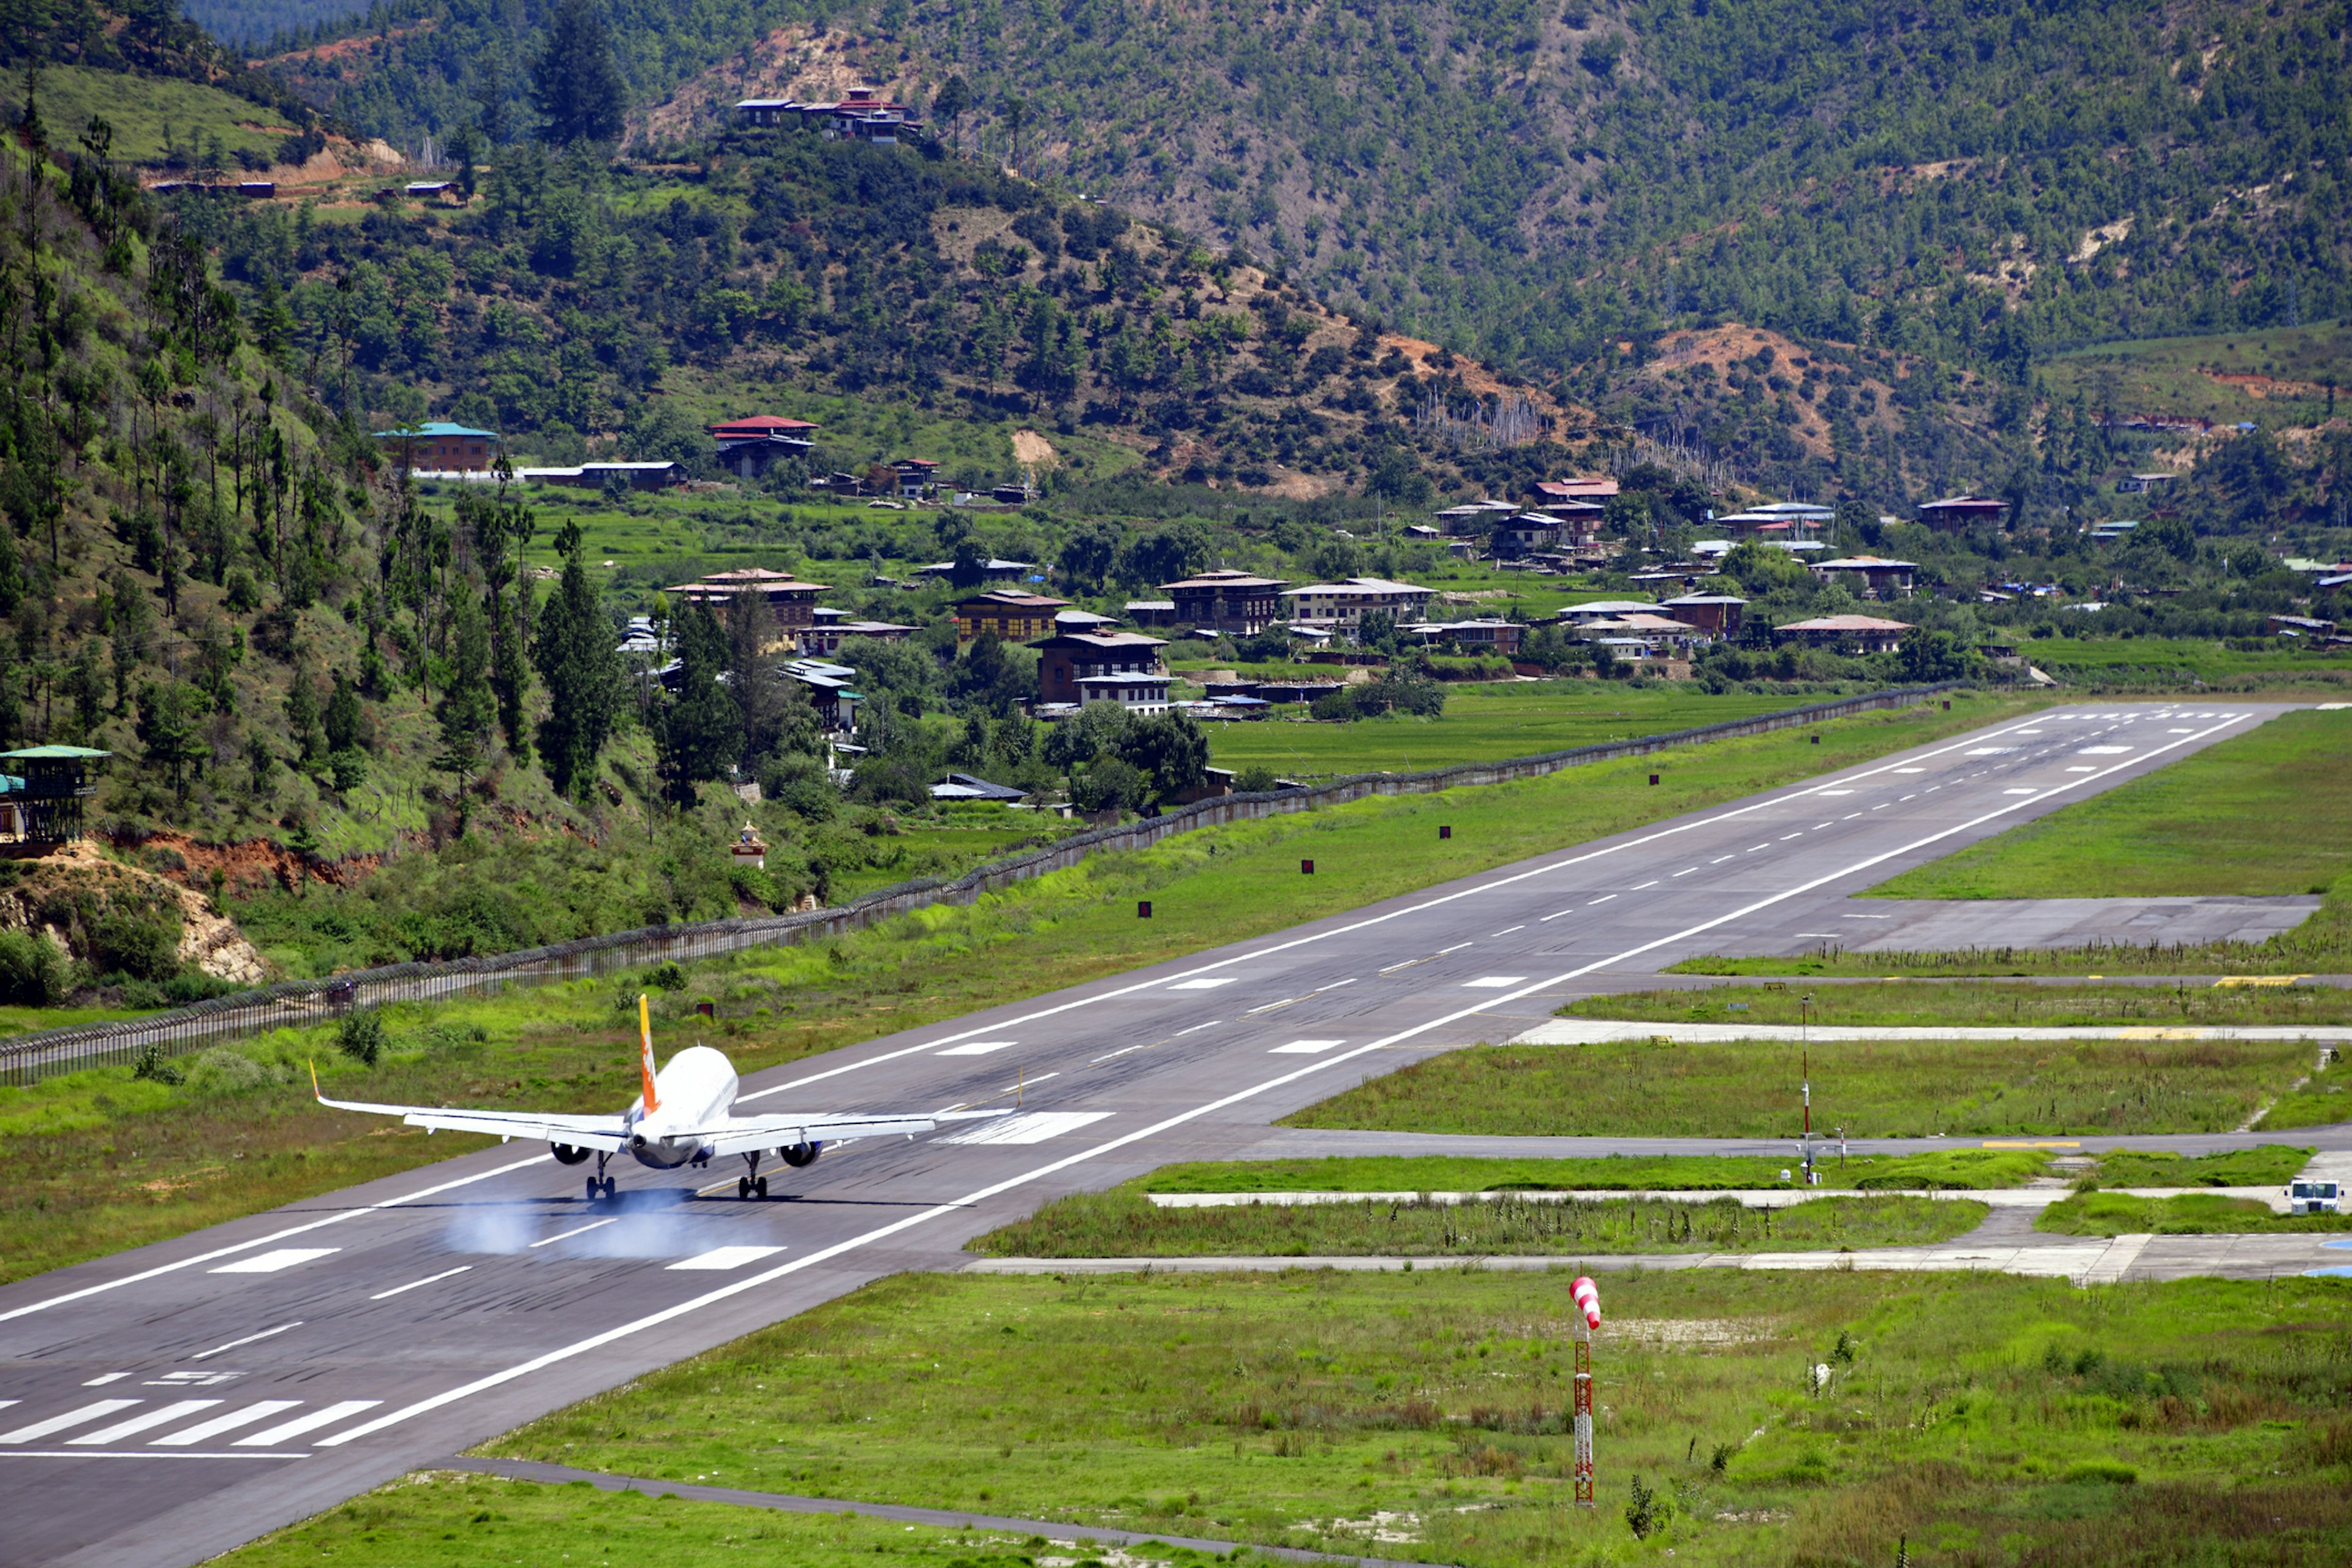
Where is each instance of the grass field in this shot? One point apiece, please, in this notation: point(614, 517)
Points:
point(1484, 722)
point(2193, 1213)
point(1125, 1224)
point(1956, 1168)
point(106, 1161)
point(2264, 813)
point(1977, 1418)
point(1669, 1173)
point(140, 108)
point(2290, 367)
point(1976, 1004)
point(1911, 1088)
point(447, 1517)
point(2322, 1102)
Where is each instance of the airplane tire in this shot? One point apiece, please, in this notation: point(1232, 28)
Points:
point(595, 1189)
point(742, 1186)
point(612, 1186)
point(761, 1187)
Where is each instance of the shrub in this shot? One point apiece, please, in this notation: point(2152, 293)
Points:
point(1648, 1512)
point(221, 1070)
point(152, 1064)
point(143, 944)
point(361, 1037)
point(665, 977)
point(2107, 1470)
point(33, 973)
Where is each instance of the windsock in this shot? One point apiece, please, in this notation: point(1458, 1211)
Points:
point(1587, 1299)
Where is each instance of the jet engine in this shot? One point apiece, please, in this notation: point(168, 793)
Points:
point(565, 1154)
point(802, 1155)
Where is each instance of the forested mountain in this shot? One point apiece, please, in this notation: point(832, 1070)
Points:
point(1965, 182)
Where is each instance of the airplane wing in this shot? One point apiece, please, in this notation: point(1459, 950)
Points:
point(781, 1130)
point(610, 1133)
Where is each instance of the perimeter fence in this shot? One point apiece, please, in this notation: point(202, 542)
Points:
point(27, 1058)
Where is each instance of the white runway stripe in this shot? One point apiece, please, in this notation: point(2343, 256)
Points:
point(285, 1430)
point(1035, 1127)
point(188, 1437)
point(162, 1416)
point(271, 1262)
point(72, 1418)
point(728, 1258)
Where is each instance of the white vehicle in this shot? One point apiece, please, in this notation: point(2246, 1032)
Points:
point(685, 1116)
point(2306, 1197)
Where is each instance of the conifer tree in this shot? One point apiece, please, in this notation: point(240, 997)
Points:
point(574, 84)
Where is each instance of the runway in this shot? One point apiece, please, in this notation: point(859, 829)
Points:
point(163, 1405)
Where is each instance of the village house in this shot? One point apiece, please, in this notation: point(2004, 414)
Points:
point(1605, 609)
point(1955, 514)
point(437, 447)
point(749, 448)
point(1552, 492)
point(917, 476)
point(827, 635)
point(1659, 635)
point(828, 690)
point(1006, 614)
point(1234, 603)
point(792, 604)
point(1341, 606)
point(1718, 613)
point(1074, 669)
point(1470, 637)
point(1869, 577)
point(645, 475)
point(1524, 534)
point(1865, 634)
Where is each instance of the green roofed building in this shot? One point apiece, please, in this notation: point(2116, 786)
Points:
point(41, 796)
point(438, 447)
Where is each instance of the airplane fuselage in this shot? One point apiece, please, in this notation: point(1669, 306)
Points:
point(694, 1088)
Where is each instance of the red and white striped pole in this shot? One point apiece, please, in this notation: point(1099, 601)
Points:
point(1587, 1318)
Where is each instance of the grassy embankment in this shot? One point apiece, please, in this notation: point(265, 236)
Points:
point(1125, 1224)
point(2202, 1421)
point(2169, 664)
point(107, 1162)
point(145, 111)
point(1910, 1088)
point(2264, 814)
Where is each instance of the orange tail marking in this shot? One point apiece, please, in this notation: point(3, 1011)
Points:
point(646, 1042)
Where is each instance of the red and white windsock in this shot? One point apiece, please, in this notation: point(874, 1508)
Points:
point(1587, 1299)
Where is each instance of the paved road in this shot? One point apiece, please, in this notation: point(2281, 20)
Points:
point(168, 1402)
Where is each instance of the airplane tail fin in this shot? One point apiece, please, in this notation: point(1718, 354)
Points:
point(646, 1042)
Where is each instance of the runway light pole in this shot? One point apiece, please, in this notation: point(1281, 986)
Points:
point(1587, 1318)
point(1805, 1072)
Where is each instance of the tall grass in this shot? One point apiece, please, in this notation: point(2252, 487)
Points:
point(1905, 1088)
point(1129, 1225)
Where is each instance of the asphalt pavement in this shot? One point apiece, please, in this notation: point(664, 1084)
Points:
point(164, 1403)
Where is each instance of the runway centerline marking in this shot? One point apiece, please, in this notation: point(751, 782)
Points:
point(1505, 932)
point(1686, 872)
point(412, 1284)
point(248, 1338)
point(1601, 899)
point(576, 1230)
point(1457, 947)
point(1770, 798)
point(1322, 1064)
point(1639, 885)
point(271, 1262)
point(203, 1258)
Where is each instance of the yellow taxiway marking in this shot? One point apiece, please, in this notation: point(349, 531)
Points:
point(2235, 980)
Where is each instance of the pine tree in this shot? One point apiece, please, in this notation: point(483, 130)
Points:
point(468, 708)
point(574, 84)
point(573, 650)
point(702, 730)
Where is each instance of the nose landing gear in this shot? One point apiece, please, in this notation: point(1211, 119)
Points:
point(753, 1184)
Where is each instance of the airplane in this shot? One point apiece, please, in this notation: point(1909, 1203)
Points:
point(685, 1116)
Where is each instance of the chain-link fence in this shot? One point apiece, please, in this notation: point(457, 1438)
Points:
point(27, 1058)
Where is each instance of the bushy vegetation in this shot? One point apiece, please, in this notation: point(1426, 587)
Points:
point(1123, 1224)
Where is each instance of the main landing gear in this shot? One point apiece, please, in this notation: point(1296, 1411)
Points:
point(754, 1183)
point(600, 1185)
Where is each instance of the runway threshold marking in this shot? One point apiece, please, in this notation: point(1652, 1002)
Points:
point(1095, 1152)
point(1770, 798)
